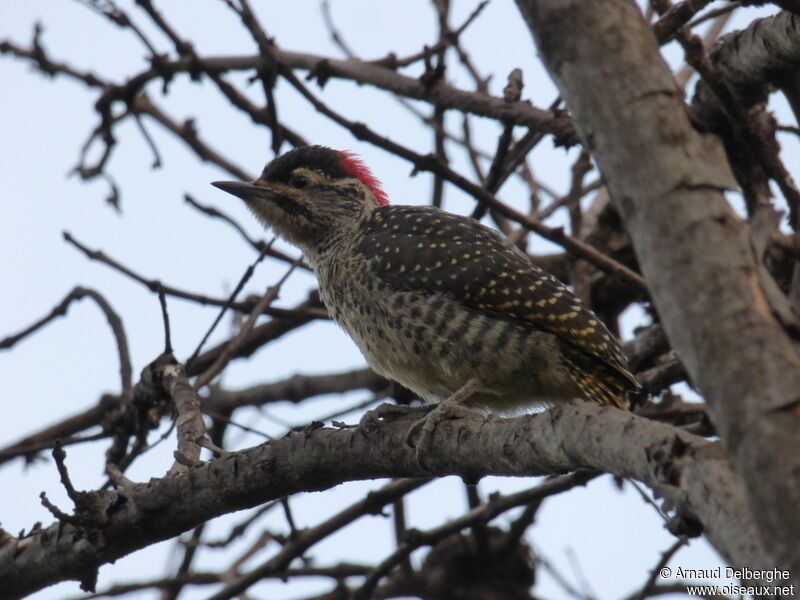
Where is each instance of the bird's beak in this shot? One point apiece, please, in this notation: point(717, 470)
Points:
point(272, 203)
point(244, 190)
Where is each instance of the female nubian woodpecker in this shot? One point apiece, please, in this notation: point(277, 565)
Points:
point(438, 302)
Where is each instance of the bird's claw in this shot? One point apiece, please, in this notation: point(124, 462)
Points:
point(387, 411)
point(420, 435)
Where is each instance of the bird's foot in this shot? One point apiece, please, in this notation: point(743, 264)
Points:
point(420, 435)
point(388, 411)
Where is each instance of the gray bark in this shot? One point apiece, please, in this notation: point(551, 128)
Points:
point(667, 181)
point(752, 62)
point(688, 471)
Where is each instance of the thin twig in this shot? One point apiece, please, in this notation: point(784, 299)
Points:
point(483, 514)
point(666, 556)
point(154, 286)
point(162, 299)
point(257, 245)
point(374, 501)
point(112, 317)
point(242, 282)
point(224, 358)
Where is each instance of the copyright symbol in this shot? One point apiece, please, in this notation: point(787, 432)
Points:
point(666, 573)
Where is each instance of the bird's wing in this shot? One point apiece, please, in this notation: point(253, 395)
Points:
point(423, 248)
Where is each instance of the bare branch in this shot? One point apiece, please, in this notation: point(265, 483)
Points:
point(113, 320)
point(688, 471)
point(674, 209)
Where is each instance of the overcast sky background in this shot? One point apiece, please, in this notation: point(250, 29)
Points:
point(613, 537)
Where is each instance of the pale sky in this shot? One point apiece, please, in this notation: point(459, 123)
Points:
point(613, 537)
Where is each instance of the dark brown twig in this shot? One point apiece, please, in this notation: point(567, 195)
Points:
point(150, 142)
point(239, 286)
point(111, 316)
point(676, 17)
point(232, 346)
point(482, 514)
point(60, 456)
point(258, 245)
point(162, 299)
point(716, 12)
point(109, 10)
point(305, 539)
point(154, 286)
point(666, 556)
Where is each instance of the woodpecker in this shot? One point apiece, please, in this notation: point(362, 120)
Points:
point(438, 302)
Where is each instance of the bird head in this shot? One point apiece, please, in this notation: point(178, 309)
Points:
point(310, 195)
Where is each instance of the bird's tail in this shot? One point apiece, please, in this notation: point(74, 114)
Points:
point(602, 383)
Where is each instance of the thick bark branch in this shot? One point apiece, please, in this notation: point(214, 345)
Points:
point(667, 182)
point(689, 471)
point(752, 62)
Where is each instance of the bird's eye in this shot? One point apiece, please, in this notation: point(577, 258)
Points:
point(299, 182)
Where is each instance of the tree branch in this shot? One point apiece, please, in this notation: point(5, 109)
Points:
point(688, 471)
point(667, 182)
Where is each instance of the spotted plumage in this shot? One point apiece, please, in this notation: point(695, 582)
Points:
point(434, 300)
point(425, 249)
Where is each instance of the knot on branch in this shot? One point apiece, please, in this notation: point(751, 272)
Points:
point(389, 61)
point(148, 404)
point(149, 392)
point(685, 526)
point(667, 460)
point(90, 516)
point(159, 62)
point(513, 90)
point(432, 74)
point(564, 134)
point(427, 162)
point(321, 71)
